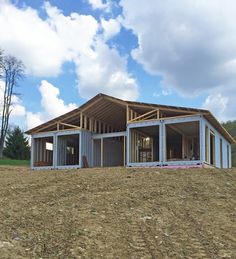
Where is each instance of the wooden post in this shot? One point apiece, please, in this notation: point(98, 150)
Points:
point(90, 124)
point(95, 126)
point(85, 122)
point(81, 120)
point(127, 113)
point(158, 113)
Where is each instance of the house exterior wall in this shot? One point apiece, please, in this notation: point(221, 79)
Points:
point(180, 120)
point(162, 140)
point(113, 152)
point(86, 147)
point(33, 151)
point(55, 148)
point(91, 148)
point(97, 152)
point(225, 143)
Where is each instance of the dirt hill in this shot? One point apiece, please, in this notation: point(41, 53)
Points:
point(117, 213)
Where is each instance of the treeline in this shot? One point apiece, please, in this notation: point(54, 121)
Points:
point(230, 126)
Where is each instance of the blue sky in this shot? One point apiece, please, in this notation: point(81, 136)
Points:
point(172, 53)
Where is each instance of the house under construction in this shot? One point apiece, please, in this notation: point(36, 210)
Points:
point(106, 131)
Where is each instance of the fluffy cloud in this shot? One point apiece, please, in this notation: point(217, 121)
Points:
point(52, 105)
point(99, 67)
point(105, 68)
point(221, 101)
point(25, 35)
point(110, 27)
point(44, 45)
point(34, 119)
point(189, 43)
point(76, 32)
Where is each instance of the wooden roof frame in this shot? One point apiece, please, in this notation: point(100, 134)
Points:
point(207, 114)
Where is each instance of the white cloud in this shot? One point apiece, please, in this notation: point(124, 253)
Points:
point(25, 35)
point(99, 4)
point(164, 92)
point(18, 110)
point(52, 105)
point(111, 28)
point(34, 119)
point(76, 32)
point(221, 102)
point(44, 46)
point(104, 70)
point(99, 68)
point(190, 43)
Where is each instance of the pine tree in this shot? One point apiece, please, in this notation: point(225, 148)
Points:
point(17, 145)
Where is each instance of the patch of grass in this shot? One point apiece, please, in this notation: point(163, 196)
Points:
point(14, 162)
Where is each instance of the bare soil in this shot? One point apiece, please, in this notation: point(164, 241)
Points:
point(117, 213)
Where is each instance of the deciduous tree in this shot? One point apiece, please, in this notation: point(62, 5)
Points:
point(12, 71)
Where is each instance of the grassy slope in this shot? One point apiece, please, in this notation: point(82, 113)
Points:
point(231, 128)
point(117, 213)
point(13, 162)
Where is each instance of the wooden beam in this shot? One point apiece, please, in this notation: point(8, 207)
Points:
point(167, 108)
point(81, 120)
point(85, 122)
point(52, 131)
point(90, 125)
point(109, 135)
point(127, 113)
point(143, 116)
point(69, 125)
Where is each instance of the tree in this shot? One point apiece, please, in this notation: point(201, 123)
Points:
point(1, 58)
point(12, 72)
point(17, 145)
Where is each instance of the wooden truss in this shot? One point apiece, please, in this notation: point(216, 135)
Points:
point(151, 115)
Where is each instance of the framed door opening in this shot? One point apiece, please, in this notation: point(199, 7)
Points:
point(109, 151)
point(144, 144)
point(182, 141)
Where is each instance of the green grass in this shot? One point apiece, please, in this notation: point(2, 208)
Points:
point(13, 162)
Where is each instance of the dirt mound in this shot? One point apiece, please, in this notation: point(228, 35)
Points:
point(117, 213)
